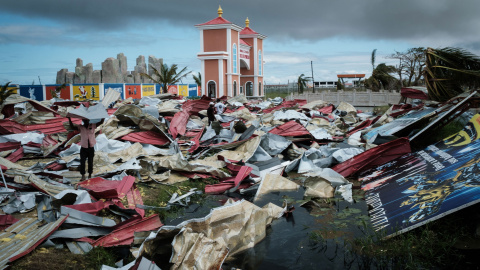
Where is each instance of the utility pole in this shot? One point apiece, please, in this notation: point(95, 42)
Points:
point(313, 81)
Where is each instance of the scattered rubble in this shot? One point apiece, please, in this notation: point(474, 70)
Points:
point(164, 139)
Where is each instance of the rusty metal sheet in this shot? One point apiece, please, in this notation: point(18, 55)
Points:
point(49, 145)
point(24, 236)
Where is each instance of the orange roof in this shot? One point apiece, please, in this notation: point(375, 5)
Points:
point(350, 75)
point(248, 31)
point(217, 20)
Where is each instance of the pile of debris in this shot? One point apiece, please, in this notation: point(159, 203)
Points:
point(166, 139)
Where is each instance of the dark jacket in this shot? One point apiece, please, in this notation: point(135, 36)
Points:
point(211, 113)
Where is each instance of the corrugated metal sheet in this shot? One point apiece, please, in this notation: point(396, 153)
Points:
point(149, 137)
point(24, 236)
point(291, 128)
point(374, 157)
point(124, 235)
point(15, 156)
point(9, 146)
point(108, 189)
point(51, 126)
point(287, 104)
point(231, 184)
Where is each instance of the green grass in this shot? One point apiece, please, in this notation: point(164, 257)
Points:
point(159, 194)
point(99, 256)
point(431, 246)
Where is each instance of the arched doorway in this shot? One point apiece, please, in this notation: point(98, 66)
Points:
point(212, 89)
point(249, 88)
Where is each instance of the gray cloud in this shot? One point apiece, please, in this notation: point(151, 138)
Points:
point(307, 20)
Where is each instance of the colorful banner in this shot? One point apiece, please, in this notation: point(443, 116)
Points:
point(51, 91)
point(158, 89)
point(115, 86)
point(183, 90)
point(172, 89)
point(133, 90)
point(148, 90)
point(192, 90)
point(34, 92)
point(420, 187)
point(86, 91)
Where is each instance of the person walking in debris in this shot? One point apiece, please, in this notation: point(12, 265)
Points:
point(87, 143)
point(220, 107)
point(211, 113)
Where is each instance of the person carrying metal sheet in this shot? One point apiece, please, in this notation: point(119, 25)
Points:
point(91, 117)
point(87, 143)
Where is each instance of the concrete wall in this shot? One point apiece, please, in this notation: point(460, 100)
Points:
point(356, 98)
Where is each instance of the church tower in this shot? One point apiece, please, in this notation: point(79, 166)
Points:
point(232, 59)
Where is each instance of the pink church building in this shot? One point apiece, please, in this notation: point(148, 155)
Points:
point(232, 59)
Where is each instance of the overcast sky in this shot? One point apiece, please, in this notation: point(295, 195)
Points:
point(38, 38)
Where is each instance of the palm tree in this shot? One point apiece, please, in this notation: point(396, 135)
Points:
point(450, 71)
point(302, 82)
point(5, 92)
point(381, 74)
point(167, 75)
point(198, 79)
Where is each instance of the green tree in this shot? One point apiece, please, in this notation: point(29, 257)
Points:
point(198, 79)
point(302, 82)
point(450, 71)
point(167, 75)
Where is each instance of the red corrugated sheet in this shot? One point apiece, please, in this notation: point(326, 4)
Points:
point(9, 146)
point(51, 126)
point(150, 137)
point(374, 157)
point(413, 93)
point(287, 104)
point(196, 141)
point(6, 221)
point(123, 236)
point(363, 125)
point(179, 122)
point(55, 166)
point(108, 189)
point(16, 156)
point(327, 109)
point(230, 182)
point(291, 128)
point(133, 198)
point(404, 111)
